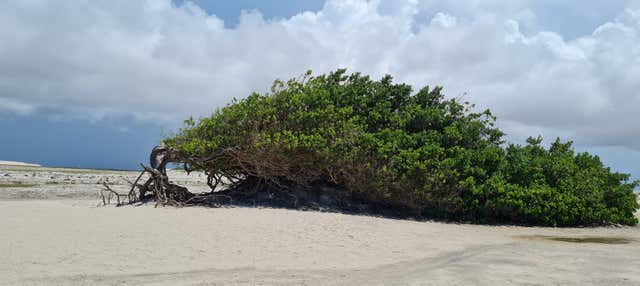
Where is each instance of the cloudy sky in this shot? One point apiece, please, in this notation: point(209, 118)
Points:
point(98, 83)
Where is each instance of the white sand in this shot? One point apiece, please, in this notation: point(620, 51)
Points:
point(72, 242)
point(14, 163)
point(69, 242)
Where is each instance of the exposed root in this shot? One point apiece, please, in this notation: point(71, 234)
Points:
point(240, 188)
point(107, 194)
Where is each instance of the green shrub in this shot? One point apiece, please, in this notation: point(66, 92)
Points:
point(417, 153)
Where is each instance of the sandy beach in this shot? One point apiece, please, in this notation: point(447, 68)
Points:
point(53, 233)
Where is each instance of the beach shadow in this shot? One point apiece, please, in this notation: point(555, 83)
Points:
point(589, 239)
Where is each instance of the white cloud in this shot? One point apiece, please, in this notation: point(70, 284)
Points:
point(443, 20)
point(13, 106)
point(156, 61)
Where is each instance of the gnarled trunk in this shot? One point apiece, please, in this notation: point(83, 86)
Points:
point(242, 190)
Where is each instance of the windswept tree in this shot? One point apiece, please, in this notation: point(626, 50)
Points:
point(385, 146)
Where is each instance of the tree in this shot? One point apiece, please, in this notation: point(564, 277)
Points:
point(378, 146)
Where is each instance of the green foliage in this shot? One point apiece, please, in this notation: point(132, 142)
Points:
point(418, 153)
point(555, 186)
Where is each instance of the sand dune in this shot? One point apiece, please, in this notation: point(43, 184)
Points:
point(52, 241)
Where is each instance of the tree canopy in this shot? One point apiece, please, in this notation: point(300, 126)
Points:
point(418, 153)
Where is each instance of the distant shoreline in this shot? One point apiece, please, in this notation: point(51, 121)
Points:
point(89, 168)
point(15, 163)
point(23, 164)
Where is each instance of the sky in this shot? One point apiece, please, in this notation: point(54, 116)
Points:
point(99, 83)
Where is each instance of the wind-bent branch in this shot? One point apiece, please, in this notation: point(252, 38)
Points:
point(244, 184)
